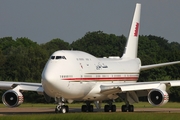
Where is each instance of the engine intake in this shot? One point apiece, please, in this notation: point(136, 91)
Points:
point(158, 97)
point(12, 98)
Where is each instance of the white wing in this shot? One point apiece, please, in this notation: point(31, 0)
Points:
point(13, 96)
point(156, 92)
point(125, 87)
point(23, 86)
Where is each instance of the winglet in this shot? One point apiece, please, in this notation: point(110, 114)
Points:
point(132, 42)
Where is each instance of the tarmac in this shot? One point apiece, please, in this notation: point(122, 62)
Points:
point(44, 110)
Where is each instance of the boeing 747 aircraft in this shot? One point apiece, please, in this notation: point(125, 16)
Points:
point(79, 76)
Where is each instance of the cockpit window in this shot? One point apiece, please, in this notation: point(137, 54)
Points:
point(52, 57)
point(60, 57)
point(57, 57)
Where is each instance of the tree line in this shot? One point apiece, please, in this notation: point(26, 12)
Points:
point(23, 60)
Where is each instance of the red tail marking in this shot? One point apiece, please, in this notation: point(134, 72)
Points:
point(136, 29)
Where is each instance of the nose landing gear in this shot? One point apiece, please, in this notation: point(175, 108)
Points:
point(61, 107)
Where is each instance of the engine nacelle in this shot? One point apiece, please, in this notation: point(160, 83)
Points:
point(12, 98)
point(158, 97)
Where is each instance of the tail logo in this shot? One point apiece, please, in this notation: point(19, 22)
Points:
point(136, 29)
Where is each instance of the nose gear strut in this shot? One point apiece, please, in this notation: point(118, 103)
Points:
point(61, 107)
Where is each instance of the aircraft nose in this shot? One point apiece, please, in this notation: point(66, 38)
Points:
point(49, 77)
point(48, 74)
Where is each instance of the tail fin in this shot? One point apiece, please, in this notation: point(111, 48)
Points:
point(132, 43)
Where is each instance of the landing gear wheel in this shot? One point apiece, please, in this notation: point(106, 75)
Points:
point(113, 108)
point(84, 108)
point(131, 108)
point(90, 108)
point(106, 108)
point(124, 108)
point(67, 108)
point(57, 109)
point(63, 109)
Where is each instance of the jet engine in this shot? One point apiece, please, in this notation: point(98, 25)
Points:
point(158, 97)
point(12, 98)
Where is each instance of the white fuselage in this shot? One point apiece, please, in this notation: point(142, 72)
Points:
point(76, 75)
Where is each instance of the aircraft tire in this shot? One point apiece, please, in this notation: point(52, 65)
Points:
point(56, 110)
point(113, 108)
point(106, 108)
point(67, 108)
point(124, 108)
point(63, 109)
point(131, 108)
point(90, 108)
point(84, 108)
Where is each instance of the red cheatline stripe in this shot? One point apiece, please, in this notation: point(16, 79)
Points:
point(104, 79)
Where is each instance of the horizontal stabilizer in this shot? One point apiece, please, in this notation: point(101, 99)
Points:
point(146, 67)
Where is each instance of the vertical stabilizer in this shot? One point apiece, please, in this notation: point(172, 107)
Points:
point(131, 48)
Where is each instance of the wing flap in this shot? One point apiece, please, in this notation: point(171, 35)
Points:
point(138, 87)
point(128, 87)
point(109, 89)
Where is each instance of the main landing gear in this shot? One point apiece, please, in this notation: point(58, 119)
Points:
point(126, 108)
point(87, 108)
point(110, 107)
point(61, 107)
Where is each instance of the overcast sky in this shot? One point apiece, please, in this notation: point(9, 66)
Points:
point(69, 20)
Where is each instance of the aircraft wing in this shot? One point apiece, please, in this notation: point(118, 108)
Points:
point(146, 67)
point(23, 86)
point(139, 86)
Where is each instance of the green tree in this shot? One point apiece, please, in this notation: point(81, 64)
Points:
point(54, 45)
point(100, 44)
